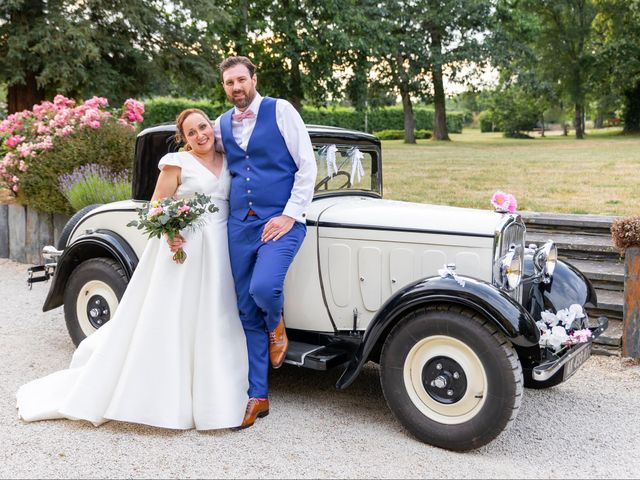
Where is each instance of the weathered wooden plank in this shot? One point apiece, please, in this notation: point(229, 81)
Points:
point(39, 234)
point(17, 232)
point(631, 328)
point(4, 231)
point(59, 221)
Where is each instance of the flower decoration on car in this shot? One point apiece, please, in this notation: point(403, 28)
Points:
point(566, 327)
point(329, 153)
point(504, 202)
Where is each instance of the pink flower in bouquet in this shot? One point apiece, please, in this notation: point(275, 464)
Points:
point(513, 204)
point(14, 140)
point(184, 208)
point(154, 212)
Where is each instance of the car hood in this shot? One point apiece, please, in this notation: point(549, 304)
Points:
point(374, 213)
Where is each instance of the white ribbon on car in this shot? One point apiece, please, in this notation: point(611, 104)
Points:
point(329, 153)
point(357, 171)
point(448, 271)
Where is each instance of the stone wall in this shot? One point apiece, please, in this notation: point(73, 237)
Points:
point(23, 232)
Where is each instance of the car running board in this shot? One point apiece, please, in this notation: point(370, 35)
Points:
point(315, 357)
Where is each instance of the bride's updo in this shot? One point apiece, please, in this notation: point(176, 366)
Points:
point(182, 116)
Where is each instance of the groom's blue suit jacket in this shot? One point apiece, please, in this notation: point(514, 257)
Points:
point(262, 177)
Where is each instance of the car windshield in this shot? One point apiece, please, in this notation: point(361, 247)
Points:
point(346, 168)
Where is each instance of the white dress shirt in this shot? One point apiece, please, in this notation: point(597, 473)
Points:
point(298, 143)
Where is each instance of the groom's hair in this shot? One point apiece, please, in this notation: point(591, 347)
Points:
point(230, 62)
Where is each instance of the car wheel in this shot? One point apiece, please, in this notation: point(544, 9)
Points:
point(70, 225)
point(451, 378)
point(92, 295)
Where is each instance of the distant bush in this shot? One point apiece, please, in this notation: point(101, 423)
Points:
point(165, 109)
point(399, 134)
point(387, 118)
point(486, 122)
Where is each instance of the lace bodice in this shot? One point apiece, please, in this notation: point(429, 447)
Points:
point(196, 178)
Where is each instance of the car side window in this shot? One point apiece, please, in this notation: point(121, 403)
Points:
point(343, 167)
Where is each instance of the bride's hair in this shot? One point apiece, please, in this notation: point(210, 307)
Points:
point(182, 116)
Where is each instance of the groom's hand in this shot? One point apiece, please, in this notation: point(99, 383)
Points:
point(276, 228)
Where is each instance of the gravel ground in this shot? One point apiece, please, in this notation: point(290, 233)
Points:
point(585, 428)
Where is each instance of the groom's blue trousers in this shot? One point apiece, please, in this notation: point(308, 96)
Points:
point(259, 270)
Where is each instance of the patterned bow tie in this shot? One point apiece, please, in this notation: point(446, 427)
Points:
point(238, 117)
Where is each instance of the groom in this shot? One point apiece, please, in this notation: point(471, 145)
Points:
point(273, 172)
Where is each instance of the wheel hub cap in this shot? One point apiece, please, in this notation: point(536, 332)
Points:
point(444, 380)
point(98, 311)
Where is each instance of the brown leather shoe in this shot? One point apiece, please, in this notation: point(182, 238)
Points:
point(256, 408)
point(278, 345)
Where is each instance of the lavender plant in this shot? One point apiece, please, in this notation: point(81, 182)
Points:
point(93, 183)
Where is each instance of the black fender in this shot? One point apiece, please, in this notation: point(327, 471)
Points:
point(507, 314)
point(567, 286)
point(101, 243)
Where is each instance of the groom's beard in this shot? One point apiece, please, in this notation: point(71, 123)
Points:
point(243, 103)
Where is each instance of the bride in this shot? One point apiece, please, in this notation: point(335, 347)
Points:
point(174, 355)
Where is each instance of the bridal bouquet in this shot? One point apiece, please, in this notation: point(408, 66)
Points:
point(169, 217)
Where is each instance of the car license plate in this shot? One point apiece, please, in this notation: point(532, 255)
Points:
point(576, 360)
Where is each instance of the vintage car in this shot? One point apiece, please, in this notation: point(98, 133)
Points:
point(445, 300)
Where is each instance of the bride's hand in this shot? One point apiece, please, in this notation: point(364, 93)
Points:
point(175, 244)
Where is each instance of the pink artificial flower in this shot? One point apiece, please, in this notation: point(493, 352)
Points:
point(504, 202)
point(581, 336)
point(13, 141)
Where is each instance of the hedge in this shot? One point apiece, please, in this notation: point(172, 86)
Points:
point(165, 109)
point(399, 134)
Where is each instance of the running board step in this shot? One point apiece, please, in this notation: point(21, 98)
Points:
point(316, 357)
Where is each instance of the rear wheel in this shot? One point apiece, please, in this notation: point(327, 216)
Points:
point(451, 378)
point(92, 296)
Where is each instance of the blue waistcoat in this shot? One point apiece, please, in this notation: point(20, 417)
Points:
point(262, 177)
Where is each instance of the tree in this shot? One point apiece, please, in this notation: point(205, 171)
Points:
point(618, 56)
point(112, 48)
point(553, 39)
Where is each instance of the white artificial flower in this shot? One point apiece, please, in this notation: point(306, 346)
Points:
point(542, 325)
point(549, 318)
point(576, 309)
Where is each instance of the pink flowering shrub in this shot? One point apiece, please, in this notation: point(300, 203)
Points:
point(39, 145)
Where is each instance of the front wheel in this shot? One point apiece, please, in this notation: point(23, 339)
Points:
point(451, 378)
point(92, 295)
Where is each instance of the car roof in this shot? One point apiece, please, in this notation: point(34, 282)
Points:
point(315, 131)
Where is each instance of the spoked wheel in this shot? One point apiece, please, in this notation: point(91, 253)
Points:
point(92, 296)
point(451, 378)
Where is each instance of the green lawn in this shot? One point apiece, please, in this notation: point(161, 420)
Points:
point(598, 175)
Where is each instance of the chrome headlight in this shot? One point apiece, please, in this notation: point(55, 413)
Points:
point(507, 271)
point(545, 259)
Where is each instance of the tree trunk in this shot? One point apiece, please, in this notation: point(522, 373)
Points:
point(297, 93)
point(579, 121)
point(24, 96)
point(409, 125)
point(631, 115)
point(440, 130)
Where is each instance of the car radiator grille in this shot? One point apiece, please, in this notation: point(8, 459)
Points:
point(512, 233)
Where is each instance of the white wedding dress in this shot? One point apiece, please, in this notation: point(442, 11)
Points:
point(174, 355)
